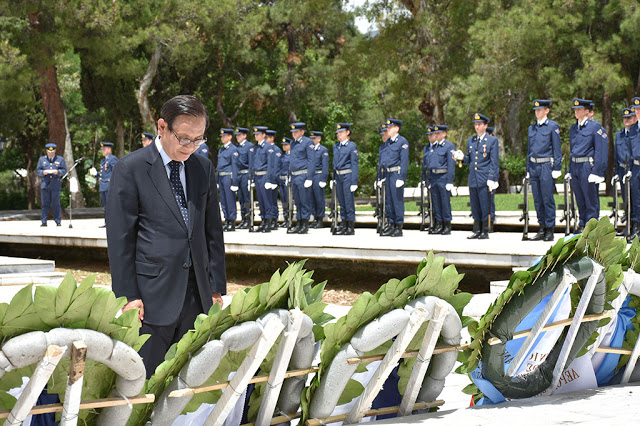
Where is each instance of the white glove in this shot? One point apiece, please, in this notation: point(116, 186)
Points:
point(308, 183)
point(399, 183)
point(93, 171)
point(449, 187)
point(322, 184)
point(595, 179)
point(556, 174)
point(458, 155)
point(234, 188)
point(353, 188)
point(45, 172)
point(252, 185)
point(567, 176)
point(267, 185)
point(492, 185)
point(529, 176)
point(331, 184)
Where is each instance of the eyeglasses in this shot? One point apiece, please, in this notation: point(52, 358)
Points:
point(185, 141)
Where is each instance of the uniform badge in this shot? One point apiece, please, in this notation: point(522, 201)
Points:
point(326, 153)
point(251, 149)
point(558, 131)
point(600, 132)
point(405, 146)
point(236, 154)
point(204, 150)
point(278, 154)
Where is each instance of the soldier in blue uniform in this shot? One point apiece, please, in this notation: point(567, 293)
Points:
point(492, 206)
point(104, 174)
point(345, 170)
point(321, 173)
point(51, 168)
point(427, 151)
point(301, 168)
point(440, 168)
point(245, 151)
point(544, 160)
point(283, 183)
point(228, 179)
point(588, 151)
point(203, 150)
point(484, 168)
point(381, 178)
point(260, 171)
point(623, 152)
point(395, 162)
point(273, 177)
point(634, 163)
point(146, 139)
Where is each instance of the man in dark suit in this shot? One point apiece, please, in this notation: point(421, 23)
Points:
point(164, 232)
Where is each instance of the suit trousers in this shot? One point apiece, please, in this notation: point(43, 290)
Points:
point(163, 336)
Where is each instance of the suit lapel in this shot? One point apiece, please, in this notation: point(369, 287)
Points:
point(158, 174)
point(195, 176)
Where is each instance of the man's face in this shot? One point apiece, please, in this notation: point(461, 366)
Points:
point(259, 137)
point(590, 113)
point(146, 141)
point(580, 113)
point(184, 126)
point(393, 130)
point(637, 110)
point(629, 121)
point(385, 135)
point(241, 137)
point(541, 113)
point(342, 135)
point(432, 137)
point(316, 140)
point(271, 139)
point(286, 147)
point(225, 139)
point(481, 127)
point(106, 150)
point(440, 136)
point(297, 134)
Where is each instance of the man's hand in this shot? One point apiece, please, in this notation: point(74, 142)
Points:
point(217, 298)
point(55, 172)
point(308, 183)
point(45, 172)
point(458, 155)
point(135, 304)
point(449, 187)
point(492, 185)
point(353, 188)
point(595, 179)
point(322, 184)
point(399, 183)
point(233, 188)
point(556, 174)
point(93, 171)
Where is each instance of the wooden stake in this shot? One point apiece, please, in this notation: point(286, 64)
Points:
point(374, 412)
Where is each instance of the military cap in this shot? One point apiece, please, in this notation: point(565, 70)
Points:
point(394, 122)
point(342, 126)
point(315, 134)
point(382, 128)
point(429, 130)
point(144, 136)
point(581, 103)
point(481, 117)
point(106, 144)
point(51, 146)
point(242, 130)
point(628, 112)
point(490, 130)
point(440, 128)
point(541, 103)
point(259, 129)
point(297, 126)
point(224, 131)
point(635, 102)
point(591, 105)
point(270, 132)
point(286, 141)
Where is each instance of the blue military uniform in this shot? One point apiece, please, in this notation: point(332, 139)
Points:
point(227, 178)
point(634, 160)
point(543, 158)
point(482, 158)
point(321, 173)
point(588, 148)
point(260, 171)
point(439, 168)
point(381, 171)
point(301, 168)
point(51, 185)
point(492, 206)
point(284, 182)
point(345, 170)
point(245, 151)
point(104, 174)
point(203, 150)
point(273, 177)
point(394, 159)
point(622, 154)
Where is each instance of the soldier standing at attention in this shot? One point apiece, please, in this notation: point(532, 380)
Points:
point(634, 164)
point(273, 177)
point(104, 174)
point(588, 150)
point(228, 179)
point(492, 207)
point(260, 166)
point(381, 176)
point(301, 168)
point(484, 168)
point(395, 161)
point(51, 168)
point(623, 153)
point(146, 139)
point(544, 160)
point(320, 174)
point(345, 166)
point(284, 180)
point(441, 169)
point(245, 151)
point(426, 153)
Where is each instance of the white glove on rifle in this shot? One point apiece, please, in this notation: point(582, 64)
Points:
point(252, 184)
point(492, 185)
point(331, 184)
point(93, 171)
point(353, 188)
point(322, 184)
point(595, 179)
point(308, 183)
point(399, 183)
point(567, 176)
point(449, 187)
point(458, 155)
point(381, 182)
point(233, 188)
point(556, 174)
point(529, 176)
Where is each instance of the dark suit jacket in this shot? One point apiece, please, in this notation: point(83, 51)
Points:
point(149, 244)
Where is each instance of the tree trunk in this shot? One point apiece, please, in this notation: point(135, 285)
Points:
point(292, 60)
point(148, 121)
point(120, 137)
point(513, 129)
point(227, 121)
point(77, 198)
point(607, 123)
point(33, 193)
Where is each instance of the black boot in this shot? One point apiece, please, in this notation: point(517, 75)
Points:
point(446, 228)
point(294, 229)
point(540, 235)
point(304, 227)
point(635, 229)
point(274, 224)
point(349, 229)
point(244, 223)
point(484, 235)
point(285, 223)
point(386, 230)
point(397, 232)
point(267, 225)
point(438, 228)
point(432, 228)
point(320, 223)
point(548, 234)
point(341, 228)
point(476, 231)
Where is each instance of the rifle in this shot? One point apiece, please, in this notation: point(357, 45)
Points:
point(617, 191)
point(333, 215)
point(380, 205)
point(525, 207)
point(290, 202)
point(251, 203)
point(626, 180)
point(423, 214)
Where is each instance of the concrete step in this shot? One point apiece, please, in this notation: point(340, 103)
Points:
point(22, 279)
point(17, 265)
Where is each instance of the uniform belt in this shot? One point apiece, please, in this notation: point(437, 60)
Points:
point(260, 172)
point(393, 169)
point(225, 173)
point(581, 159)
point(344, 171)
point(623, 165)
point(299, 172)
point(540, 159)
point(636, 162)
point(283, 177)
point(243, 171)
point(318, 172)
point(439, 171)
